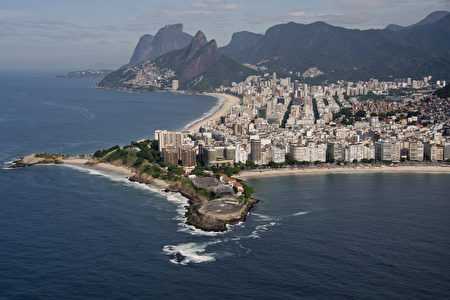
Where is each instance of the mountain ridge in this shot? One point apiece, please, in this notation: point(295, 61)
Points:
point(430, 19)
point(198, 67)
point(353, 54)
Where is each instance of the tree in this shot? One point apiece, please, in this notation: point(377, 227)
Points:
point(174, 170)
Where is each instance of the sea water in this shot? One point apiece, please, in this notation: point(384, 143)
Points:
point(73, 233)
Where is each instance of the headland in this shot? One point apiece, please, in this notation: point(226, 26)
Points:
point(211, 208)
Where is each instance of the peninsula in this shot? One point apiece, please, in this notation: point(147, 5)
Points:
point(215, 199)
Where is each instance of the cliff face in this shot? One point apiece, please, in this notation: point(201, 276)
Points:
point(200, 56)
point(143, 50)
point(192, 61)
point(168, 38)
point(240, 41)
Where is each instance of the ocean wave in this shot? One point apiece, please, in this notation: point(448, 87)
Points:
point(263, 217)
point(261, 228)
point(175, 198)
point(215, 108)
point(300, 213)
point(184, 254)
point(8, 163)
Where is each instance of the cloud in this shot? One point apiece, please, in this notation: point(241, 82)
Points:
point(215, 4)
point(358, 13)
point(304, 18)
point(215, 12)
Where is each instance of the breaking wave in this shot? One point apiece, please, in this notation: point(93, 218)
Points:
point(219, 103)
point(300, 213)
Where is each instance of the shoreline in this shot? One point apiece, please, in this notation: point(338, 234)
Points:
point(108, 167)
point(222, 110)
point(228, 102)
point(344, 170)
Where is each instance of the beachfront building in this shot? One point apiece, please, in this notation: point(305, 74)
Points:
point(169, 138)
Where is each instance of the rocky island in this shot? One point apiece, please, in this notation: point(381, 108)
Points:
point(85, 74)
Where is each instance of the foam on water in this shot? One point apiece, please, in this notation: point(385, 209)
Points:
point(300, 213)
point(176, 198)
point(184, 254)
point(261, 228)
point(263, 217)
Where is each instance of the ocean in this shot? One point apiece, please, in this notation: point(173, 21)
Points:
point(73, 233)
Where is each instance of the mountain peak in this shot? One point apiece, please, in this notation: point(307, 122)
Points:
point(171, 28)
point(200, 38)
point(168, 38)
point(198, 42)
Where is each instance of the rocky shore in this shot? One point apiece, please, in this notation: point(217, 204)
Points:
point(202, 213)
point(37, 158)
point(199, 213)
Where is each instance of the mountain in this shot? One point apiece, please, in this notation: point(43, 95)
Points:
point(194, 60)
point(240, 41)
point(430, 19)
point(198, 67)
point(443, 92)
point(352, 54)
point(168, 38)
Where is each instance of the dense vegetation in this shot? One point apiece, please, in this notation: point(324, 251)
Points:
point(443, 92)
point(353, 54)
point(223, 73)
point(146, 159)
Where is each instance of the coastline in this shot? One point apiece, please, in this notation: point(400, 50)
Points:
point(109, 167)
point(228, 102)
point(344, 170)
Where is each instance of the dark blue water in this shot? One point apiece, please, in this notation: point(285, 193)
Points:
point(77, 234)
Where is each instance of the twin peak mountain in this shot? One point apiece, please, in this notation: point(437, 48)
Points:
point(172, 54)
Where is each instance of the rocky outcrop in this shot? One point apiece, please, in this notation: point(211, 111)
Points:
point(203, 213)
point(201, 216)
point(143, 50)
point(168, 38)
point(37, 158)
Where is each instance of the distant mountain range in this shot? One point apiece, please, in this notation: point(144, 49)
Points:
point(394, 52)
point(430, 19)
point(168, 38)
point(419, 50)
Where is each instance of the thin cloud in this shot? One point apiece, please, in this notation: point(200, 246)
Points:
point(215, 4)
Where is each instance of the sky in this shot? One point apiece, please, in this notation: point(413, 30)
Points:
point(68, 35)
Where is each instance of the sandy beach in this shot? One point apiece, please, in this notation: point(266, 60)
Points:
point(107, 167)
point(229, 102)
point(100, 166)
point(344, 170)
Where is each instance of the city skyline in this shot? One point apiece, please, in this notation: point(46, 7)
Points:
point(59, 36)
